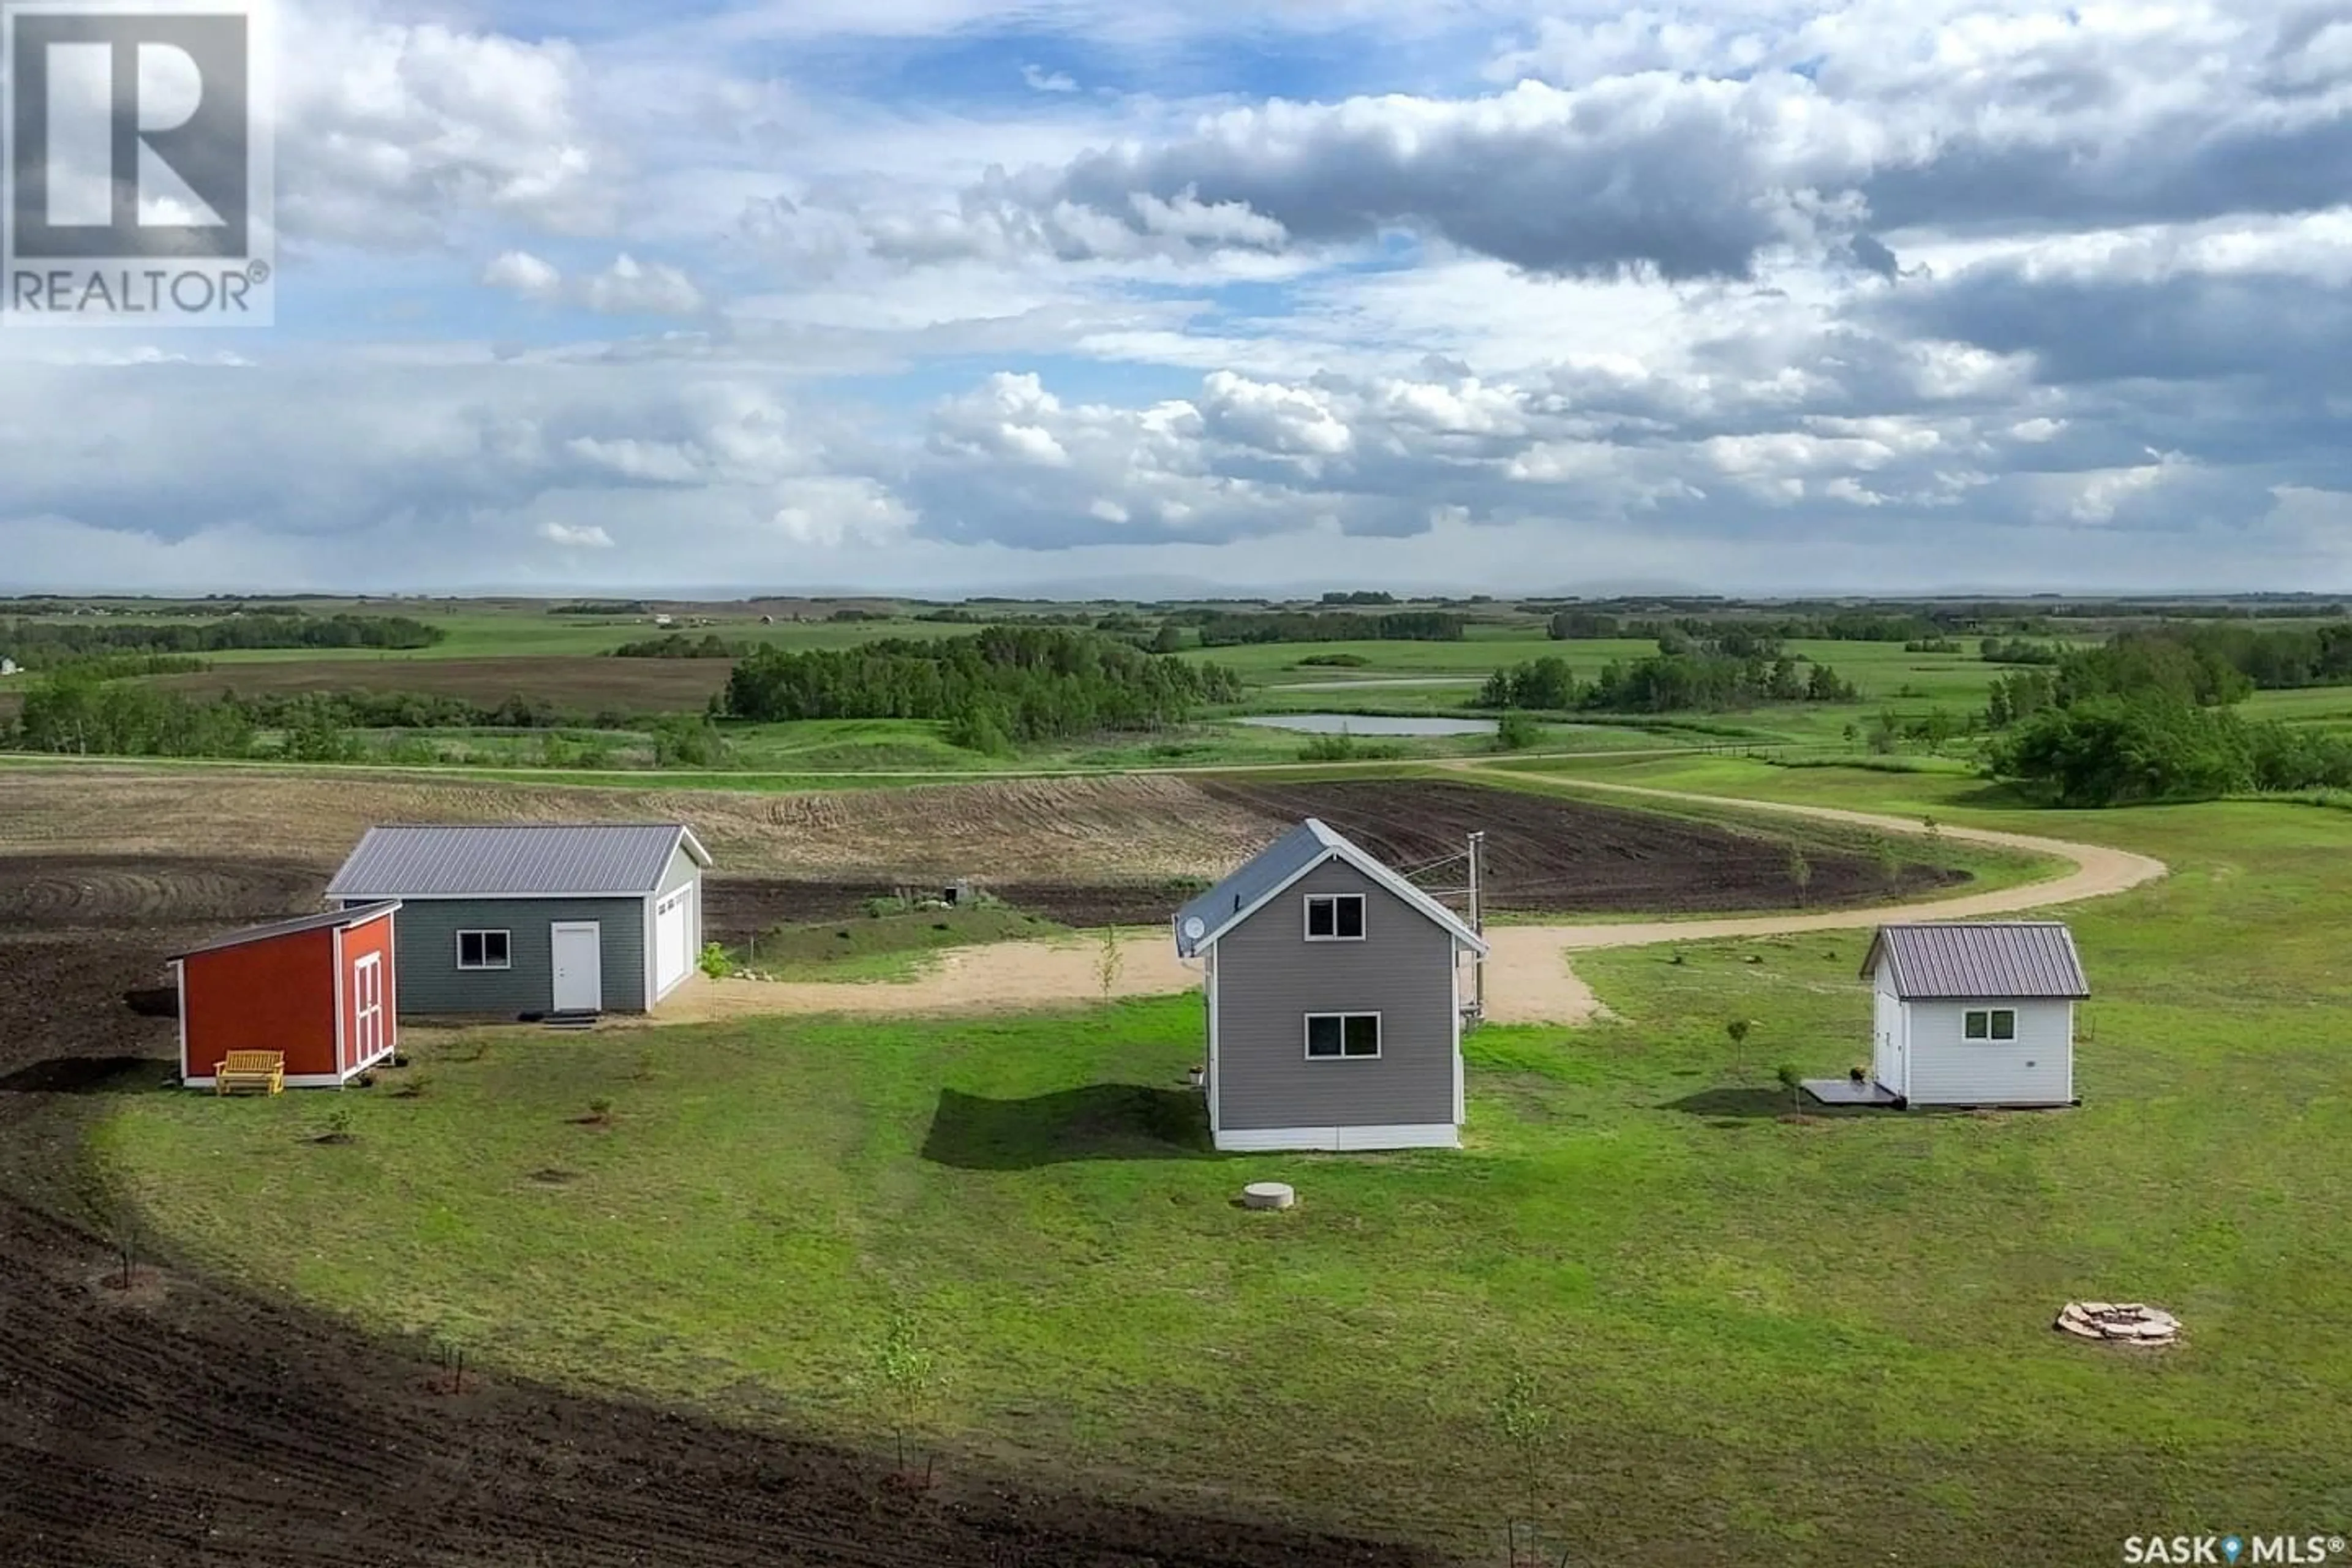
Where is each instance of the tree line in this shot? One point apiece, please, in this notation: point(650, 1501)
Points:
point(47, 645)
point(1844, 626)
point(1704, 678)
point(1006, 686)
point(2150, 716)
point(1221, 628)
point(677, 645)
point(75, 713)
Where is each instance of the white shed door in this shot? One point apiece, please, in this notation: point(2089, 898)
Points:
point(673, 938)
point(579, 965)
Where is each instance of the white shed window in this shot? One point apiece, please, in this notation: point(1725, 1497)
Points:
point(1335, 917)
point(484, 949)
point(1991, 1024)
point(1333, 1036)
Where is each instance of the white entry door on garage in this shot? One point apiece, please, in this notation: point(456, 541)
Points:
point(579, 965)
point(673, 938)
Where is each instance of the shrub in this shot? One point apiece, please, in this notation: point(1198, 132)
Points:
point(1344, 747)
point(716, 962)
point(1516, 731)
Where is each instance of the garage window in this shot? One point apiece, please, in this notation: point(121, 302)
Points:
point(1335, 917)
point(1333, 1036)
point(484, 949)
point(1992, 1024)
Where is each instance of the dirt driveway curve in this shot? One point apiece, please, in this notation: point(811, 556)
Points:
point(1528, 979)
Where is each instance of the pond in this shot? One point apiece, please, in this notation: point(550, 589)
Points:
point(1368, 724)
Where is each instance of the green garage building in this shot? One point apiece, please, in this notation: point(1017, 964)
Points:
point(535, 918)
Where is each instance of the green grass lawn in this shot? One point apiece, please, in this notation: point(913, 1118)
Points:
point(2319, 707)
point(1767, 1341)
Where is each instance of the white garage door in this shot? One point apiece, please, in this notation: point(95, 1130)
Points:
point(673, 938)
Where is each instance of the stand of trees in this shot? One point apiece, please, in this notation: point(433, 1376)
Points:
point(1224, 629)
point(1666, 683)
point(2117, 751)
point(1844, 626)
point(2150, 716)
point(74, 712)
point(49, 645)
point(1006, 686)
point(1587, 626)
point(2270, 660)
point(677, 645)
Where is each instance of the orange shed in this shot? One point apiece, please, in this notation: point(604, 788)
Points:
point(318, 989)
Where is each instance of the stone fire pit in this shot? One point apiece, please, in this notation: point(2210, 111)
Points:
point(2126, 1322)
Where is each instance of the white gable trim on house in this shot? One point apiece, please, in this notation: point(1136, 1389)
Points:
point(1370, 868)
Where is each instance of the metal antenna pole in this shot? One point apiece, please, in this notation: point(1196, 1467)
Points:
point(1478, 919)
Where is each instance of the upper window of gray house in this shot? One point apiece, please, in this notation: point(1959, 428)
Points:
point(1335, 917)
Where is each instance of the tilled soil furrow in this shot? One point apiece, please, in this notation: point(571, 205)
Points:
point(186, 1423)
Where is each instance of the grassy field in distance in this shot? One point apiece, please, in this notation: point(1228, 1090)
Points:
point(1754, 1330)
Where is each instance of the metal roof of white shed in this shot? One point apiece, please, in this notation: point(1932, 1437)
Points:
point(527, 860)
point(1986, 961)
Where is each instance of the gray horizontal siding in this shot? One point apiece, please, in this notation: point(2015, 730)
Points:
point(430, 982)
point(1269, 977)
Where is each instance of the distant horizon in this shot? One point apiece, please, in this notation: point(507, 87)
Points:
point(1066, 596)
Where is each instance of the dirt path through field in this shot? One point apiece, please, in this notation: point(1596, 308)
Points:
point(1530, 979)
point(965, 979)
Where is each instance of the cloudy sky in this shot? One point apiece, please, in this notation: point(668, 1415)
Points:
point(950, 295)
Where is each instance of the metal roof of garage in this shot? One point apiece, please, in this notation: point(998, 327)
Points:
point(525, 860)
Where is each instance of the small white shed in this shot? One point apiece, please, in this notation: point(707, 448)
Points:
point(1978, 1013)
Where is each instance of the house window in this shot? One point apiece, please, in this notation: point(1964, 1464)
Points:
point(484, 949)
point(1331, 1036)
point(1992, 1024)
point(1335, 917)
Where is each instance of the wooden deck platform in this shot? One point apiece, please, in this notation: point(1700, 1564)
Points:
point(1845, 1091)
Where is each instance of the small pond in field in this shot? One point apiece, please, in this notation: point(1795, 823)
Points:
point(1368, 724)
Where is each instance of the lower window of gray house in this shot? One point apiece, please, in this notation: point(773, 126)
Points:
point(1343, 1034)
point(484, 949)
point(1998, 1024)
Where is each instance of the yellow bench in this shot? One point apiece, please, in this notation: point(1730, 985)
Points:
point(257, 1072)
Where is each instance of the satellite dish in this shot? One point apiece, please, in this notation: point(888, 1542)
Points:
point(1195, 929)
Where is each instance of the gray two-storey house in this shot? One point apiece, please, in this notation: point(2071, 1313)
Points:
point(535, 917)
point(1335, 1001)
